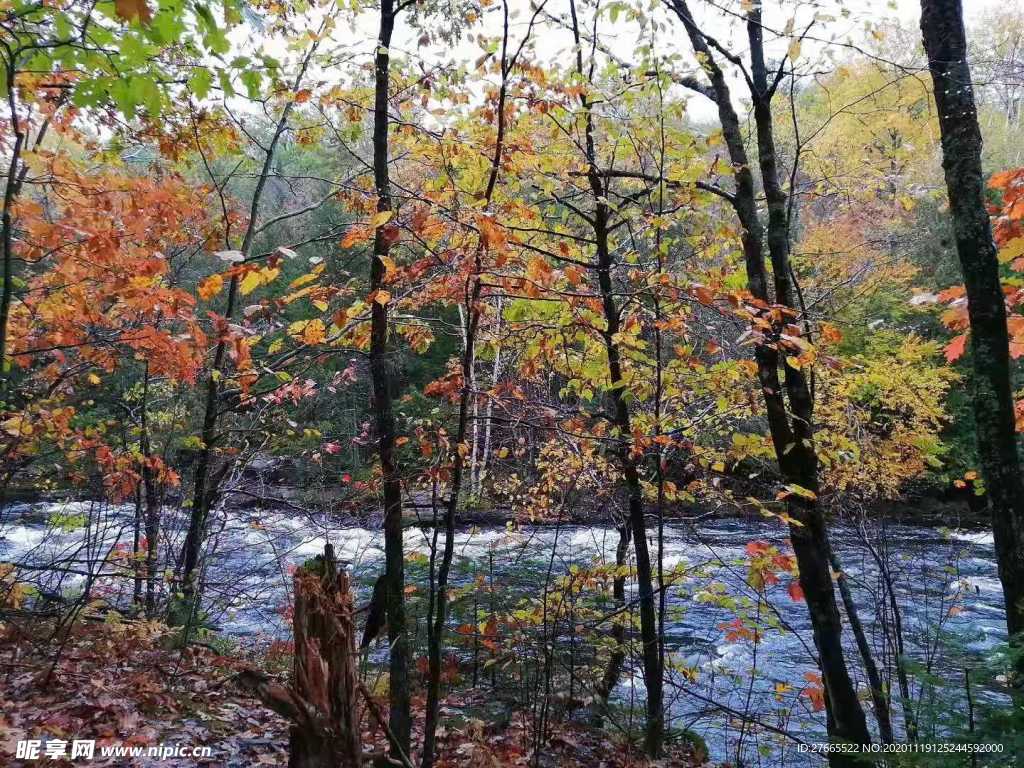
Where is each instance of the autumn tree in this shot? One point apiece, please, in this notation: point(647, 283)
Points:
point(945, 42)
point(243, 276)
point(775, 314)
point(381, 373)
point(110, 60)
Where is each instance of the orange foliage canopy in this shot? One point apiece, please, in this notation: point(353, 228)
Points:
point(100, 288)
point(108, 241)
point(1008, 230)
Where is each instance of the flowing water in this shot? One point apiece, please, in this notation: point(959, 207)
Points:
point(737, 691)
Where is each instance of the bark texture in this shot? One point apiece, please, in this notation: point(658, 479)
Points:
point(381, 376)
point(945, 42)
point(322, 701)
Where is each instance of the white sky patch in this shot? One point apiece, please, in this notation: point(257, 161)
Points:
point(829, 32)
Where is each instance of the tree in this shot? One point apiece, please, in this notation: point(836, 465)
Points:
point(241, 277)
point(109, 59)
point(942, 28)
point(788, 400)
point(489, 238)
point(382, 376)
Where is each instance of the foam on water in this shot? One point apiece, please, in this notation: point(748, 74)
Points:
point(250, 555)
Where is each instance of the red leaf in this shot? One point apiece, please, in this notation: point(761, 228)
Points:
point(955, 348)
point(755, 548)
point(796, 592)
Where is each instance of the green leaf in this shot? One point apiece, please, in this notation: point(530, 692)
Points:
point(200, 82)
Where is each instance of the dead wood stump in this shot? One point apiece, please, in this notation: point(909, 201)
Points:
point(322, 700)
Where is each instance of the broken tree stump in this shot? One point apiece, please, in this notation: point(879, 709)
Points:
point(322, 700)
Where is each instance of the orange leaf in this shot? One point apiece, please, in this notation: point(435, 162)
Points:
point(354, 235)
point(493, 236)
point(703, 295)
point(952, 293)
point(314, 332)
point(132, 9)
point(955, 348)
point(210, 287)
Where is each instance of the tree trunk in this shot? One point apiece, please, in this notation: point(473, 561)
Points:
point(945, 42)
point(638, 525)
point(325, 641)
point(321, 702)
point(883, 712)
point(620, 418)
point(792, 435)
point(382, 376)
point(11, 189)
point(794, 447)
point(481, 473)
point(204, 491)
point(152, 501)
point(136, 540)
point(470, 315)
point(613, 671)
point(205, 484)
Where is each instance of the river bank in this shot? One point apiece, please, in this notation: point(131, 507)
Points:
point(943, 583)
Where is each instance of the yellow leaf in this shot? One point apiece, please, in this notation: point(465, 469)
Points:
point(381, 297)
point(302, 280)
point(1012, 250)
point(250, 283)
point(210, 287)
point(794, 50)
point(382, 218)
point(314, 332)
point(93, 379)
point(17, 426)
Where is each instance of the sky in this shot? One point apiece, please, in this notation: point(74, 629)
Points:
point(838, 25)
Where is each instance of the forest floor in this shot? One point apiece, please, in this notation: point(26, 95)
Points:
point(123, 684)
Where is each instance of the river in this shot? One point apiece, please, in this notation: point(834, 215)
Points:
point(737, 693)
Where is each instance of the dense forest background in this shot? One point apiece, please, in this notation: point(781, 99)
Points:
point(469, 382)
